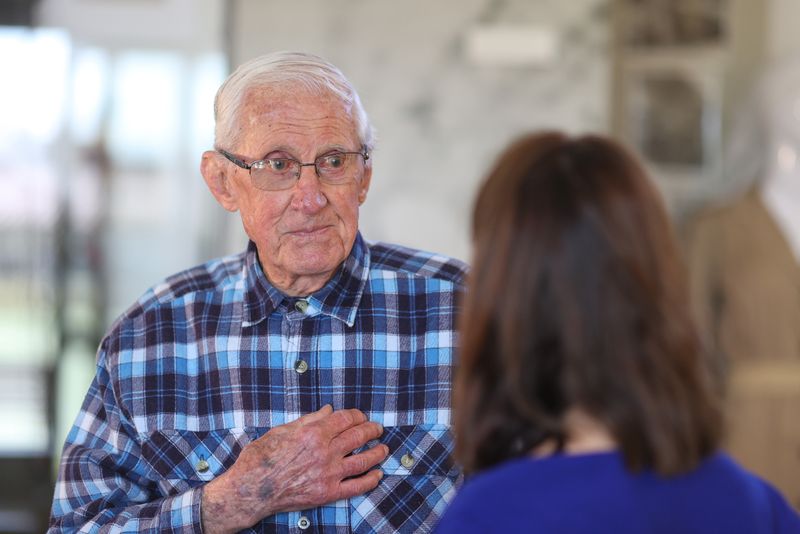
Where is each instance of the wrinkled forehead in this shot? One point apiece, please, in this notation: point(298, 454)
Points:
point(284, 113)
point(293, 99)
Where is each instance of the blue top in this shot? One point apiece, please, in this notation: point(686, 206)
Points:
point(212, 358)
point(595, 493)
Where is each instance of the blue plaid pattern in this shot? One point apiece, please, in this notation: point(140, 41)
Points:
point(204, 363)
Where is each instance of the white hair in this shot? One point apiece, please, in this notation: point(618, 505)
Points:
point(282, 70)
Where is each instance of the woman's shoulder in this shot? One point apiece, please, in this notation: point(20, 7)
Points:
point(541, 480)
point(717, 493)
point(762, 497)
point(510, 495)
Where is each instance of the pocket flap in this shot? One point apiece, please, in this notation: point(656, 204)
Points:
point(193, 455)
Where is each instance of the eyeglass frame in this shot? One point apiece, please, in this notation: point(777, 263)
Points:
point(249, 166)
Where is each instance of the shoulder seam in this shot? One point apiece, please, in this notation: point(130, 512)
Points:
point(195, 280)
point(419, 263)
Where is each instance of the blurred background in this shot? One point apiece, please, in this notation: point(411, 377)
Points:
point(105, 108)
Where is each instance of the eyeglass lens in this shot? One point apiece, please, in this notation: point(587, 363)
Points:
point(281, 173)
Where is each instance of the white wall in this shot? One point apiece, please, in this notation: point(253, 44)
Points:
point(441, 119)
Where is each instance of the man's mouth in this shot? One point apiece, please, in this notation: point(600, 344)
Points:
point(311, 231)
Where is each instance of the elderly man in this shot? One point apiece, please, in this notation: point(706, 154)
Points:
point(303, 385)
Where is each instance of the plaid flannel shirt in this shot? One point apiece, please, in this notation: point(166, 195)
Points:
point(215, 356)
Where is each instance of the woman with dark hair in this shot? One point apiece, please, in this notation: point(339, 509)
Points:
point(583, 401)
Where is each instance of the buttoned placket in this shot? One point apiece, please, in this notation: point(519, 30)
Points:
point(297, 366)
point(300, 306)
point(294, 366)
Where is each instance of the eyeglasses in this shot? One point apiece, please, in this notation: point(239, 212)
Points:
point(277, 174)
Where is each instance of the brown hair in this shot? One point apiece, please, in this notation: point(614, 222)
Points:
point(577, 298)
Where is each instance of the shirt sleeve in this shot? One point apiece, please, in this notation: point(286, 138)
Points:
point(103, 483)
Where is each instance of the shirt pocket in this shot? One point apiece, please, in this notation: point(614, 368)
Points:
point(418, 450)
point(420, 477)
point(178, 460)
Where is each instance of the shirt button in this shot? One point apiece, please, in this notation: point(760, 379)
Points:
point(301, 305)
point(202, 466)
point(407, 461)
point(300, 366)
point(303, 522)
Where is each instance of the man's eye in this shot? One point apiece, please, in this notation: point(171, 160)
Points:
point(334, 161)
point(277, 164)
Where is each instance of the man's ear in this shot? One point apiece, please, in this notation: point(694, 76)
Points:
point(216, 175)
point(363, 186)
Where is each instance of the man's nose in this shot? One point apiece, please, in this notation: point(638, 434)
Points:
point(308, 195)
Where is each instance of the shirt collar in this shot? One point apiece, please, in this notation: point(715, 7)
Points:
point(339, 297)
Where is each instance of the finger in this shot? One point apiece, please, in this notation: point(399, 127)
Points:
point(314, 417)
point(357, 436)
point(361, 462)
point(340, 420)
point(358, 485)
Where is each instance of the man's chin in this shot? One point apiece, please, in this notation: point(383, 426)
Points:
point(316, 260)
